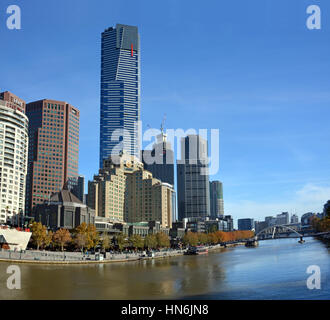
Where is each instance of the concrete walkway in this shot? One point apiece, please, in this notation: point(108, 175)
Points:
point(65, 258)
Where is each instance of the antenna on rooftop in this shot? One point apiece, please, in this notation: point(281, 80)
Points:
point(163, 124)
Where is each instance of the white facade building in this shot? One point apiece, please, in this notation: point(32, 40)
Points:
point(13, 161)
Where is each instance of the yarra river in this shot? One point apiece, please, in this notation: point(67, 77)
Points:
point(274, 270)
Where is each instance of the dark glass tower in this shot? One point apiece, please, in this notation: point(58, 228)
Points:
point(216, 199)
point(120, 91)
point(193, 178)
point(163, 156)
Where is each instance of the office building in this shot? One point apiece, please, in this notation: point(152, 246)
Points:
point(283, 218)
point(216, 199)
point(124, 192)
point(160, 160)
point(76, 185)
point(13, 157)
point(307, 218)
point(53, 149)
point(193, 178)
point(270, 221)
point(12, 101)
point(294, 218)
point(245, 224)
point(259, 226)
point(120, 92)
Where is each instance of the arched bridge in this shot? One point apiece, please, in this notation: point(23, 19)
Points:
point(273, 228)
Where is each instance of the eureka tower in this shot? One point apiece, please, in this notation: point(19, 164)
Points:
point(120, 92)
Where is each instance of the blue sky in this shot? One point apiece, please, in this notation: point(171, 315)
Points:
point(249, 68)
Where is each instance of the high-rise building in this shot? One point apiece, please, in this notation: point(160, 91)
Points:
point(294, 218)
point(270, 221)
point(13, 157)
point(124, 192)
point(193, 178)
point(283, 218)
point(245, 224)
point(216, 199)
point(12, 101)
point(120, 91)
point(76, 185)
point(160, 160)
point(53, 149)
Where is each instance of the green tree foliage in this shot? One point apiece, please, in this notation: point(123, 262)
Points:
point(190, 239)
point(150, 241)
point(163, 241)
point(121, 241)
point(105, 242)
point(136, 242)
point(321, 225)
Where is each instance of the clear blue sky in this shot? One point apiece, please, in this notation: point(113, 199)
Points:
point(250, 68)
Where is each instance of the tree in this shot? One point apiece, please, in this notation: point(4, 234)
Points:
point(120, 239)
point(150, 241)
point(163, 240)
point(93, 237)
point(327, 212)
point(48, 239)
point(80, 240)
point(136, 241)
point(91, 234)
point(39, 233)
point(105, 242)
point(190, 239)
point(202, 238)
point(61, 237)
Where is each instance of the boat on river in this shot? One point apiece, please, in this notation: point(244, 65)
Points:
point(252, 243)
point(197, 250)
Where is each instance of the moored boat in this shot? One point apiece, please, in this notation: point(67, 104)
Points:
point(197, 250)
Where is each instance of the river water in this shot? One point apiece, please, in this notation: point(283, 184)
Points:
point(274, 270)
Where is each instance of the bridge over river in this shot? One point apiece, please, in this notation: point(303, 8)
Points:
point(276, 232)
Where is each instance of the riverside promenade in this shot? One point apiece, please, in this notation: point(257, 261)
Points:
point(53, 257)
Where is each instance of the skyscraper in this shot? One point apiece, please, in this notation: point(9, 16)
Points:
point(283, 218)
point(162, 156)
point(120, 91)
point(216, 199)
point(76, 185)
point(13, 156)
point(53, 149)
point(193, 178)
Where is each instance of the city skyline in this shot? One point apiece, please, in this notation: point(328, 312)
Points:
point(265, 167)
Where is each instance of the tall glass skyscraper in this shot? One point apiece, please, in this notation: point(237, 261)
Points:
point(193, 178)
point(216, 199)
point(120, 91)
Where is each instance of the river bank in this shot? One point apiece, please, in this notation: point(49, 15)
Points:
point(65, 258)
point(274, 270)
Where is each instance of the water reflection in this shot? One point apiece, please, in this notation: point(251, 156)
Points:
point(274, 270)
